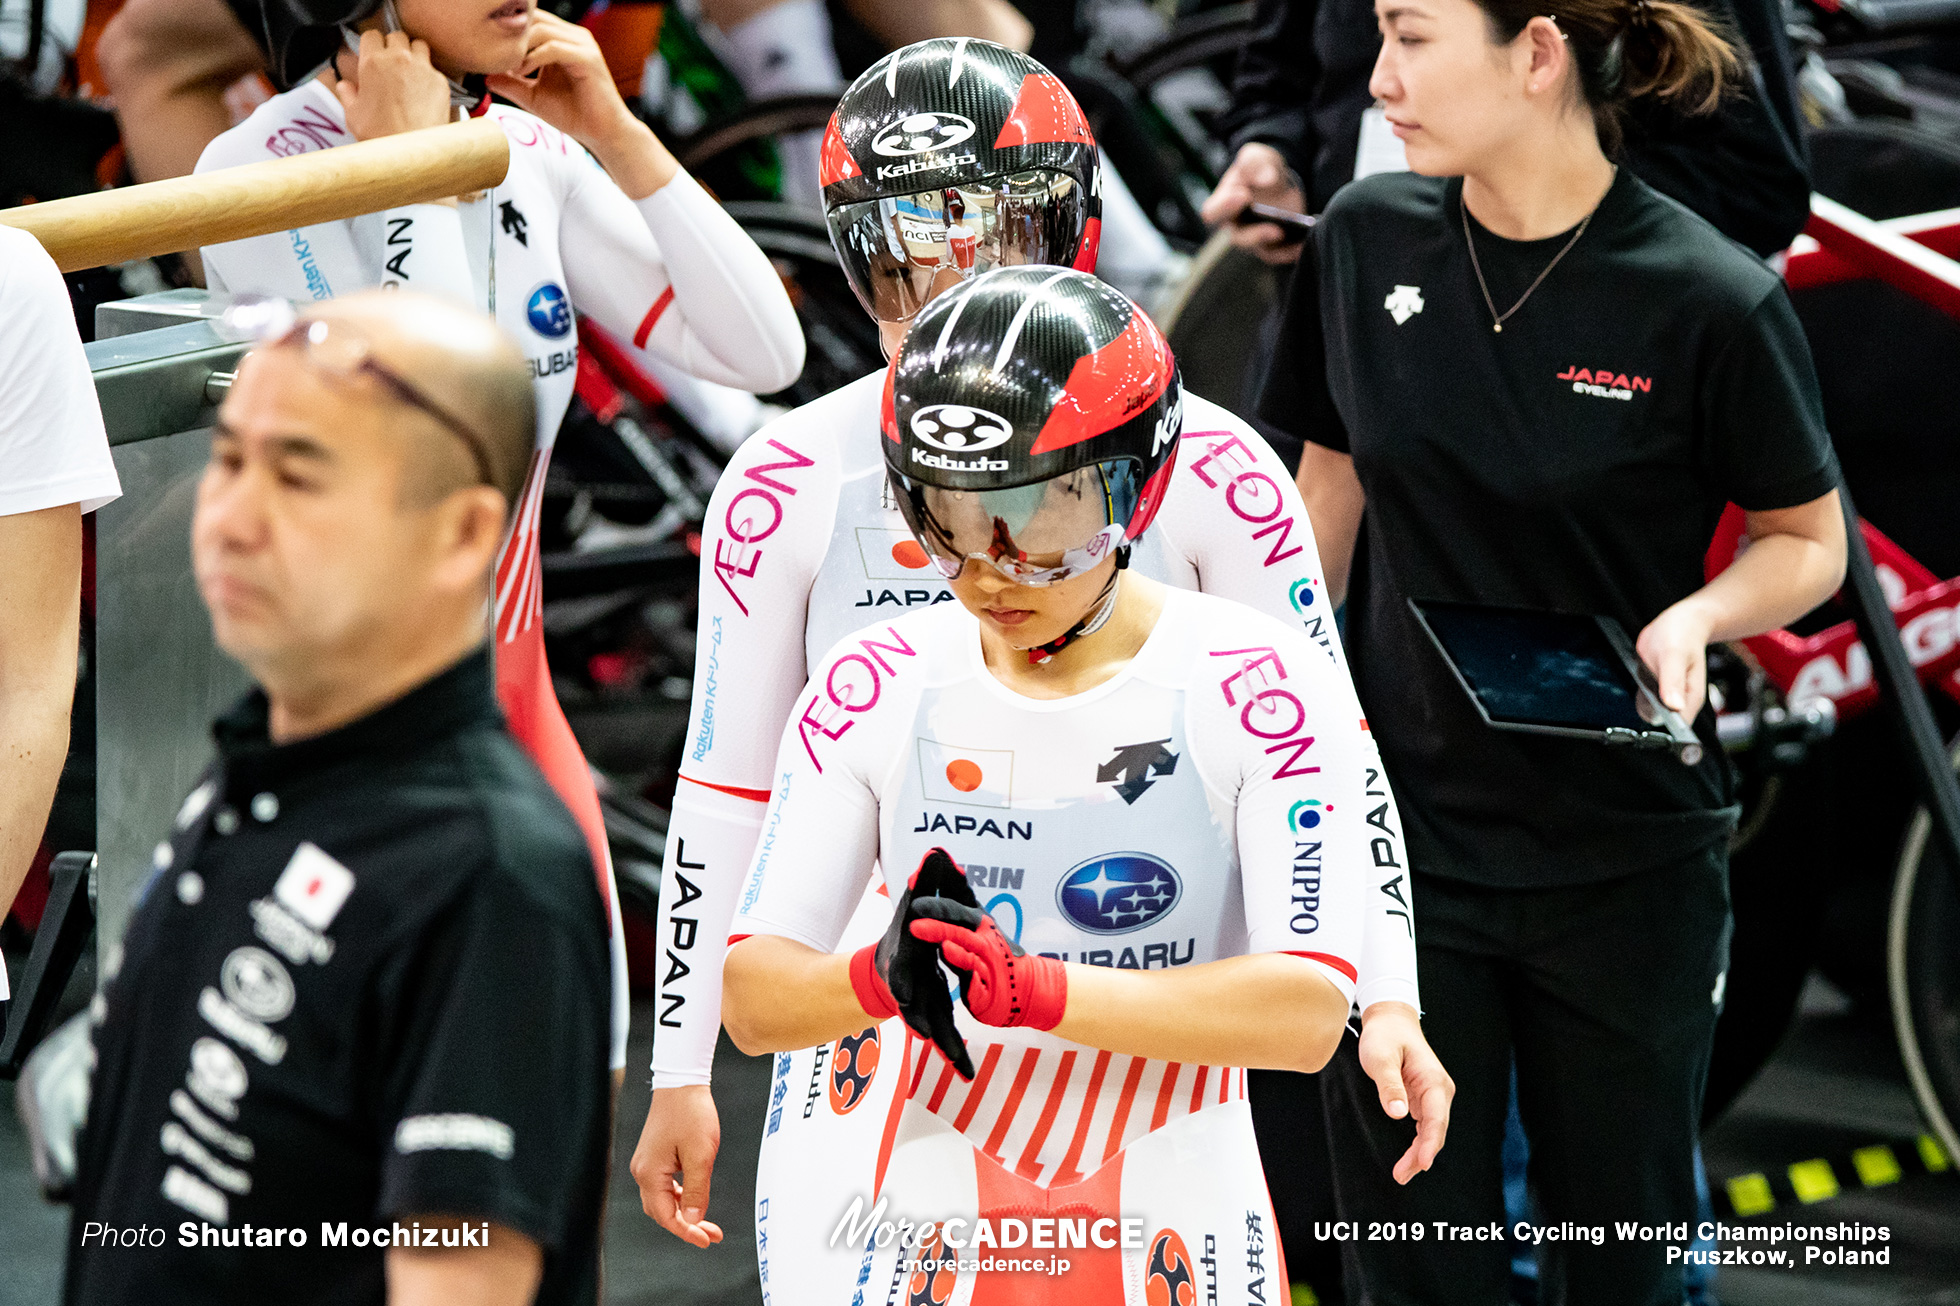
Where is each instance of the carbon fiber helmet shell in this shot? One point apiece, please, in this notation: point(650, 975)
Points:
point(301, 35)
point(1026, 374)
point(952, 112)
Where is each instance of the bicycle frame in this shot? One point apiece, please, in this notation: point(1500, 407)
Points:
point(1834, 663)
point(1903, 254)
point(1916, 255)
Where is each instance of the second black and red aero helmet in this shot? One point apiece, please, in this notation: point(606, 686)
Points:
point(948, 158)
point(1031, 419)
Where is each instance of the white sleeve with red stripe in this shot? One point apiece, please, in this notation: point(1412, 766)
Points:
point(675, 275)
point(1269, 723)
point(768, 525)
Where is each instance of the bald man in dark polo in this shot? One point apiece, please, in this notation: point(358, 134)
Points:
point(356, 1049)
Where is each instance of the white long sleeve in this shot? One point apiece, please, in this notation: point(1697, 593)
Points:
point(676, 276)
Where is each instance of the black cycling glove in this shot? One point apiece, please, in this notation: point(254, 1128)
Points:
point(900, 974)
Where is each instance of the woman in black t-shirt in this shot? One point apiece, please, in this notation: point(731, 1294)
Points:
point(1543, 381)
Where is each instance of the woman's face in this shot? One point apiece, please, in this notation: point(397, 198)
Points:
point(1454, 96)
point(469, 36)
point(1028, 616)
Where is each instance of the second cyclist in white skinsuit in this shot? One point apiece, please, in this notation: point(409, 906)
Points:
point(1188, 779)
point(669, 271)
point(803, 545)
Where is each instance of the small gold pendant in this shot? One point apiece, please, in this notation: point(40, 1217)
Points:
point(1497, 326)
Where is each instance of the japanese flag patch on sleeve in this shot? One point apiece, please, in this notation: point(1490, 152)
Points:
point(313, 886)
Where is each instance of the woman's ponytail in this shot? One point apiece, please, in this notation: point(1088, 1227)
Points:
point(1673, 53)
point(1670, 51)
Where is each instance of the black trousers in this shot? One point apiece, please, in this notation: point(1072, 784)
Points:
point(1605, 995)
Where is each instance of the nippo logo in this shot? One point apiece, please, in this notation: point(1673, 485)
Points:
point(921, 134)
point(853, 1065)
point(1168, 1281)
point(1118, 893)
point(958, 429)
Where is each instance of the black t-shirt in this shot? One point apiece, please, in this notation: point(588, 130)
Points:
point(1578, 461)
point(367, 982)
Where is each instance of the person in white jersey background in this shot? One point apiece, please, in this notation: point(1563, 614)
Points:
point(803, 544)
point(594, 216)
point(1165, 937)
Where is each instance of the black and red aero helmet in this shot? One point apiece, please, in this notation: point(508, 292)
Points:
point(952, 156)
point(1035, 377)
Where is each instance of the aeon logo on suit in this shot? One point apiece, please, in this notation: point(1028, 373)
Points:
point(959, 429)
point(1118, 893)
point(921, 133)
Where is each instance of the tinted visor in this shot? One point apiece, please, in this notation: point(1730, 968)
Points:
point(1032, 534)
point(900, 251)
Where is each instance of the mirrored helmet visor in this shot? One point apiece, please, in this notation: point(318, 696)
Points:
point(1032, 534)
point(900, 251)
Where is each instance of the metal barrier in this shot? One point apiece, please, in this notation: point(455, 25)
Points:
point(159, 678)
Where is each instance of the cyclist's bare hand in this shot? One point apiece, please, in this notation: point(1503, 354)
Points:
point(1409, 1078)
point(389, 86)
point(1675, 648)
point(563, 79)
point(675, 1161)
point(1258, 175)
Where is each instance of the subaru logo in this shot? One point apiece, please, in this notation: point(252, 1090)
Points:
point(1118, 893)
point(921, 133)
point(550, 312)
point(959, 429)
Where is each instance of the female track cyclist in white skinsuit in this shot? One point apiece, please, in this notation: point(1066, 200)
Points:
point(629, 240)
point(802, 545)
point(1200, 913)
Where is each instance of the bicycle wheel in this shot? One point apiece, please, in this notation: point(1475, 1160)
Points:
point(1923, 973)
point(843, 340)
point(764, 119)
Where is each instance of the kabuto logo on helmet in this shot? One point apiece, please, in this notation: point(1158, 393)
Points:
point(950, 113)
point(1026, 374)
point(959, 429)
point(922, 133)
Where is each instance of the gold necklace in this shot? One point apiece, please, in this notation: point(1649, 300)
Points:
point(1497, 319)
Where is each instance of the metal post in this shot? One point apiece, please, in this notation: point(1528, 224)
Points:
point(1900, 686)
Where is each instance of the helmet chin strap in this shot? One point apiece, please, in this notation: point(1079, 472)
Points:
point(1099, 614)
point(461, 95)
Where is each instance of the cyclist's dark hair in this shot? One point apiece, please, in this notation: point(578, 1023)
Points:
point(1627, 50)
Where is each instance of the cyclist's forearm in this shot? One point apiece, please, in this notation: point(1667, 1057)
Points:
point(634, 157)
point(779, 995)
point(1266, 1011)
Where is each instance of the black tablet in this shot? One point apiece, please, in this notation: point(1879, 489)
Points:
point(1554, 673)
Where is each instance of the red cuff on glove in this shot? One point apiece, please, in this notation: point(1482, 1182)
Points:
point(1005, 986)
point(873, 994)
